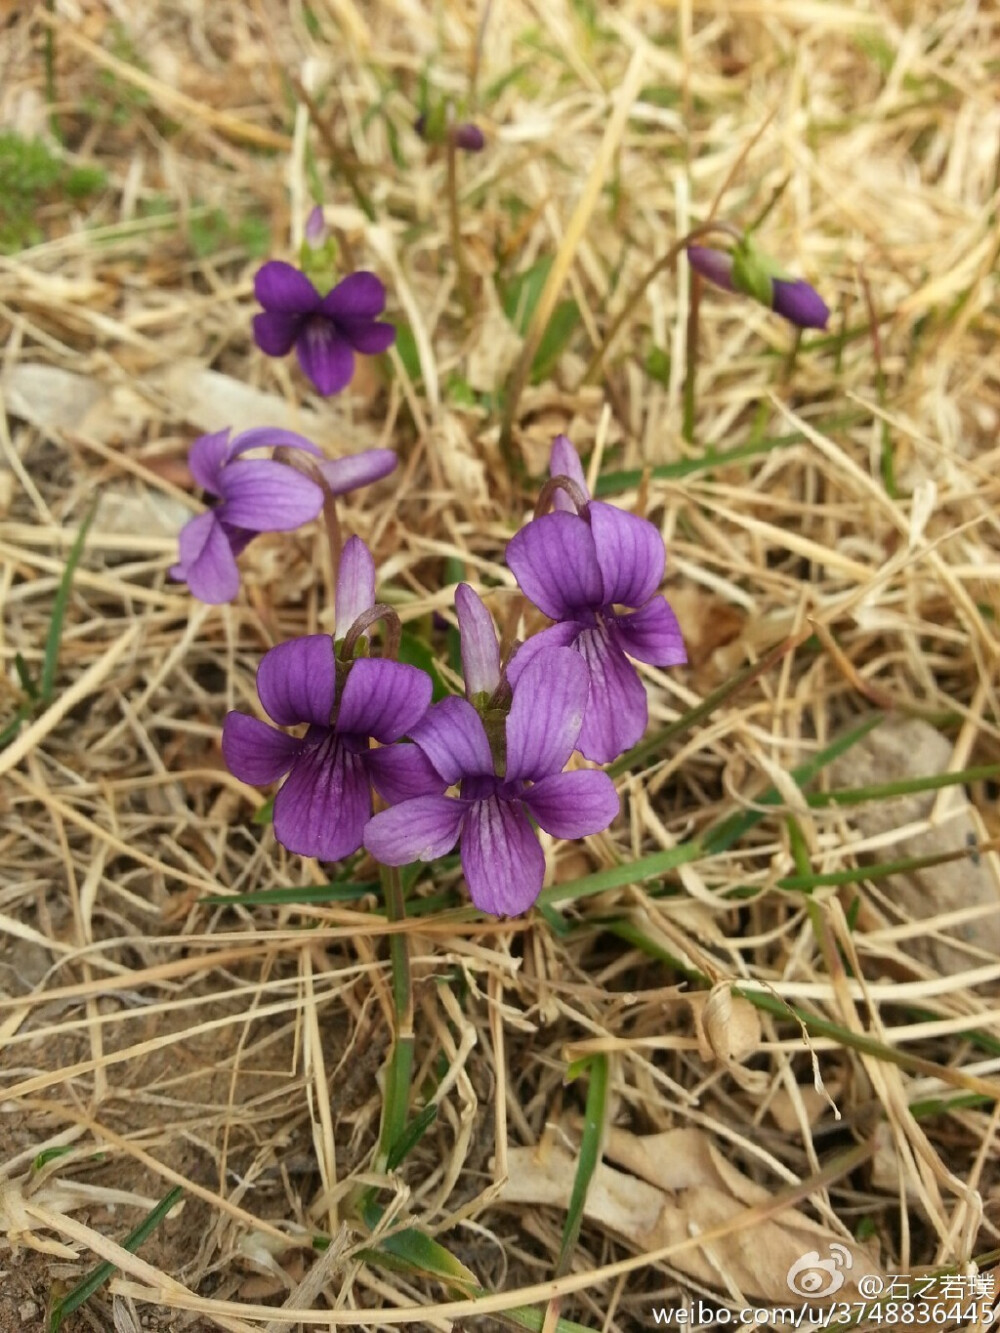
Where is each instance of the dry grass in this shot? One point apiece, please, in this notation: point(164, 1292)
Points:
point(235, 1051)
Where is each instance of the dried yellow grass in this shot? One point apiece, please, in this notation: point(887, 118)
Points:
point(235, 1051)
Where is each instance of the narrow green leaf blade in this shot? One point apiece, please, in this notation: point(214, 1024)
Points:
point(83, 1291)
point(54, 636)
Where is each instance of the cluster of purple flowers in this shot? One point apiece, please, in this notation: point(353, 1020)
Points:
point(480, 771)
point(505, 746)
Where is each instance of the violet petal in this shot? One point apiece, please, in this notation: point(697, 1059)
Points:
point(561, 635)
point(546, 714)
point(564, 461)
point(573, 805)
point(267, 496)
point(207, 457)
point(616, 712)
point(383, 699)
point(355, 585)
point(417, 830)
point(270, 437)
point(275, 331)
point(324, 356)
point(347, 474)
point(359, 296)
point(468, 137)
point(255, 752)
point(452, 737)
point(715, 265)
point(401, 772)
point(651, 634)
point(297, 681)
point(280, 286)
point(630, 553)
point(554, 561)
point(799, 303)
point(366, 335)
point(207, 561)
point(480, 646)
point(503, 863)
point(325, 802)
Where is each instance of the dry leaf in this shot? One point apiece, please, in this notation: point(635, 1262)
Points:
point(51, 399)
point(908, 748)
point(677, 1185)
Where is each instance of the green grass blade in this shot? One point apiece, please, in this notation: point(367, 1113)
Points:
point(724, 835)
point(14, 725)
point(613, 482)
point(805, 883)
point(410, 1250)
point(588, 1160)
point(83, 1291)
point(54, 637)
point(411, 1136)
point(652, 745)
point(617, 877)
point(884, 791)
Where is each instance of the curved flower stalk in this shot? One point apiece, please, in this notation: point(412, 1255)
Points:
point(325, 331)
point(578, 567)
point(745, 270)
point(325, 802)
point(257, 495)
point(508, 766)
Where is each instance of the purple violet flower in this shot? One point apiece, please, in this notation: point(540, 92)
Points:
point(577, 568)
point(792, 298)
point(507, 769)
point(257, 495)
point(465, 135)
point(325, 331)
point(325, 803)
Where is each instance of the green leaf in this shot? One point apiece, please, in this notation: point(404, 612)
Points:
point(264, 814)
point(617, 877)
point(49, 1155)
point(588, 1160)
point(521, 293)
point(406, 346)
point(563, 323)
point(54, 637)
point(415, 652)
point(24, 676)
point(411, 1251)
point(411, 1135)
point(83, 1291)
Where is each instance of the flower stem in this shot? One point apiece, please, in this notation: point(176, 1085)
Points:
point(665, 261)
point(691, 369)
point(464, 289)
point(400, 1067)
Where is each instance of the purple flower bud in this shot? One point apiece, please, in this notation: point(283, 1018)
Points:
point(468, 136)
point(355, 585)
point(800, 304)
point(564, 461)
point(325, 331)
point(434, 128)
point(792, 298)
point(480, 649)
point(715, 265)
point(316, 230)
